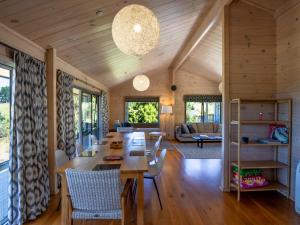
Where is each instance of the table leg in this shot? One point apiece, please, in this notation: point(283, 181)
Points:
point(140, 199)
point(65, 203)
point(201, 144)
point(198, 142)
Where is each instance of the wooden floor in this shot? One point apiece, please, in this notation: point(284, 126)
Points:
point(190, 193)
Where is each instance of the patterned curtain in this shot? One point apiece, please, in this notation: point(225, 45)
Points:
point(28, 166)
point(104, 114)
point(65, 114)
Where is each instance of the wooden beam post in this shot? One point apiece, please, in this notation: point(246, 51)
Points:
point(209, 21)
point(52, 132)
point(225, 102)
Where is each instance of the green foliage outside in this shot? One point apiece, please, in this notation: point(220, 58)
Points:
point(4, 120)
point(4, 94)
point(193, 112)
point(142, 112)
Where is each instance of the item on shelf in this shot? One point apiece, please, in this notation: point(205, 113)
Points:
point(116, 144)
point(245, 140)
point(279, 133)
point(249, 178)
point(261, 116)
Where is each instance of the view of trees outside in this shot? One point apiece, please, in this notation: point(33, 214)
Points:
point(4, 114)
point(142, 112)
point(89, 117)
point(203, 112)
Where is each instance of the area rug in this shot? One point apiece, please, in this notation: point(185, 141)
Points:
point(191, 151)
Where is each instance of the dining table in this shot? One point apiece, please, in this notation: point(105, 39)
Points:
point(132, 165)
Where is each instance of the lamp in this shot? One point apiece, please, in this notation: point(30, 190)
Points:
point(135, 30)
point(166, 109)
point(141, 83)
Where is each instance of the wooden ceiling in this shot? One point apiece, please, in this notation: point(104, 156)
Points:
point(84, 39)
point(206, 59)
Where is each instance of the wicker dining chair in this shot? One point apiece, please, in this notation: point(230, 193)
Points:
point(97, 194)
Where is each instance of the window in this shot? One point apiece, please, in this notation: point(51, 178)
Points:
point(86, 113)
point(142, 111)
point(5, 100)
point(203, 109)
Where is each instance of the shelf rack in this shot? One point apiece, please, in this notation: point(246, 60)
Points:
point(275, 164)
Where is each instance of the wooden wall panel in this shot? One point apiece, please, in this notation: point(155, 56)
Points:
point(252, 52)
point(288, 73)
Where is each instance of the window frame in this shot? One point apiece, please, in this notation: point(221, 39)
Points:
point(91, 93)
point(155, 99)
point(188, 98)
point(9, 65)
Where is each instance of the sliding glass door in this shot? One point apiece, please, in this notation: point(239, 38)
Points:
point(5, 101)
point(86, 109)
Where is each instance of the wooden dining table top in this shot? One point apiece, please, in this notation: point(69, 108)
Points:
point(134, 141)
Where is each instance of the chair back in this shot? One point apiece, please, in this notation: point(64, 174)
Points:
point(60, 158)
point(93, 140)
point(79, 148)
point(161, 160)
point(156, 147)
point(95, 190)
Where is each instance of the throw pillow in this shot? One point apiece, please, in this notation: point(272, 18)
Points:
point(191, 128)
point(184, 129)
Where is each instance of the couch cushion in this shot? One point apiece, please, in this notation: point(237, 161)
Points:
point(194, 125)
point(187, 135)
point(208, 127)
point(200, 128)
point(184, 129)
point(216, 127)
point(191, 128)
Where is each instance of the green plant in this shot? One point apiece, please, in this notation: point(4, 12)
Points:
point(142, 112)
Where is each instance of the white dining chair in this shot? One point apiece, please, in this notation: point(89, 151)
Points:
point(154, 170)
point(92, 139)
point(79, 148)
point(60, 159)
point(151, 154)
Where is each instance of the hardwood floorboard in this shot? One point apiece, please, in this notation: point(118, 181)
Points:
point(190, 195)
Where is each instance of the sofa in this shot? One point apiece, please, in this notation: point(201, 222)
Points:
point(185, 132)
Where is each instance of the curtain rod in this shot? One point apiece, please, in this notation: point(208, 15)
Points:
point(82, 81)
point(14, 49)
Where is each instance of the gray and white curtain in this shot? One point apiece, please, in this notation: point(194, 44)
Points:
point(28, 166)
point(65, 113)
point(104, 114)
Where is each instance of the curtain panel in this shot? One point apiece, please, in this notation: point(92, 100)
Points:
point(104, 114)
point(28, 165)
point(65, 114)
point(202, 98)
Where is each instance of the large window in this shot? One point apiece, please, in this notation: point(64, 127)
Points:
point(142, 111)
point(5, 99)
point(86, 110)
point(203, 109)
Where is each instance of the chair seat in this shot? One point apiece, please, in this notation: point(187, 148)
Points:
point(82, 214)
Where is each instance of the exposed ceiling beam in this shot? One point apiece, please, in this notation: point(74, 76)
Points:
point(199, 33)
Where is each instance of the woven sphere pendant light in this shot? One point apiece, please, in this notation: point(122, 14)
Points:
point(141, 83)
point(135, 30)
